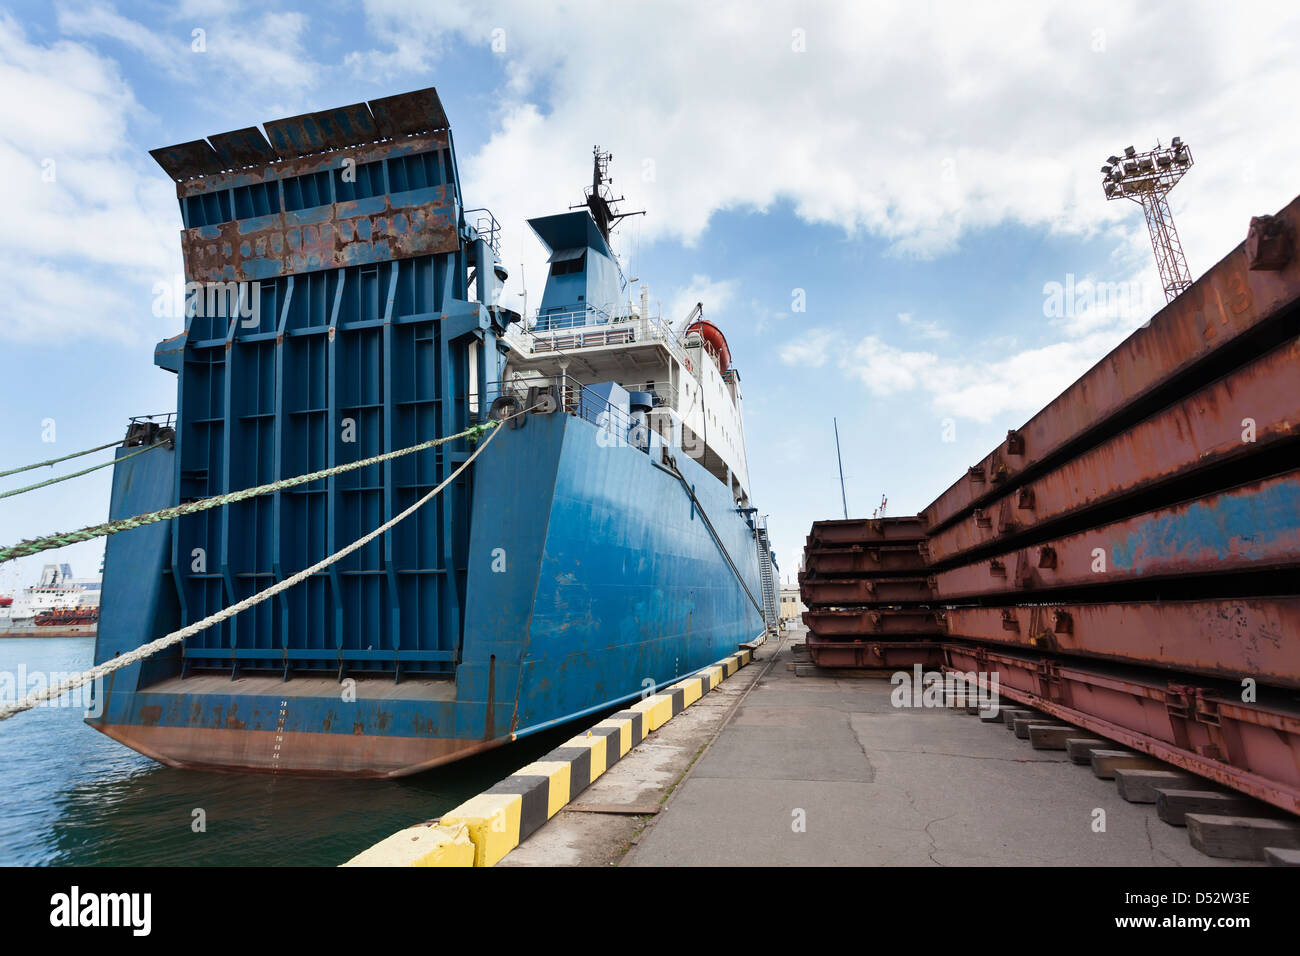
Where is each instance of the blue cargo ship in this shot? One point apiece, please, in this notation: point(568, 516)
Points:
point(341, 303)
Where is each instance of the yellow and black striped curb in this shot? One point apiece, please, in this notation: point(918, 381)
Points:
point(485, 828)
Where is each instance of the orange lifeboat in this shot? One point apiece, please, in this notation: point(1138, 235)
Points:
point(714, 341)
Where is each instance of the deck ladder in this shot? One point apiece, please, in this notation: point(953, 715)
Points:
point(765, 575)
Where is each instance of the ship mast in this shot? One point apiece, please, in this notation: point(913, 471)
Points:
point(600, 200)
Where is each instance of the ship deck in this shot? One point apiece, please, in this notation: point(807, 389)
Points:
point(269, 685)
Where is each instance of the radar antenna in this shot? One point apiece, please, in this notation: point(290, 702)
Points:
point(600, 199)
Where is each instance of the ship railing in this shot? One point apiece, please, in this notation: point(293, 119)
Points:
point(161, 419)
point(593, 327)
point(577, 318)
point(664, 392)
point(486, 225)
point(564, 393)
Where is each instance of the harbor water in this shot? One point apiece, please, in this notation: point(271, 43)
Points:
point(73, 797)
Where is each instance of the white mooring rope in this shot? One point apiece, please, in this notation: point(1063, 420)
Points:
point(175, 637)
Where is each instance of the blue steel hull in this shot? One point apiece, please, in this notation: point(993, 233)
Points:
point(590, 577)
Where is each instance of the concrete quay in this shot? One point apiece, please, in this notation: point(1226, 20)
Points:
point(781, 765)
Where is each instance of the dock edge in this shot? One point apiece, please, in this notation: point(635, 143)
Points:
point(483, 829)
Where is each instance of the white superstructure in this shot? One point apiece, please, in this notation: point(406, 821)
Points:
point(56, 589)
point(697, 397)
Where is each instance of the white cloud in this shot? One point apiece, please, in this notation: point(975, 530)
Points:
point(265, 52)
point(918, 129)
point(716, 296)
point(99, 220)
point(102, 20)
point(812, 349)
point(98, 224)
point(885, 369)
point(268, 51)
point(923, 327)
point(978, 389)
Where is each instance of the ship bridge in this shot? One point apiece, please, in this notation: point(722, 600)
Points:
point(586, 334)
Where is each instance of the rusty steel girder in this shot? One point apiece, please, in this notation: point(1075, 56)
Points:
point(847, 592)
point(1252, 527)
point(1238, 294)
point(897, 622)
point(896, 559)
point(864, 530)
point(1251, 747)
point(1243, 413)
point(890, 655)
point(1236, 638)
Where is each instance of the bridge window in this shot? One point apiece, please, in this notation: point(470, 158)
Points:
point(567, 266)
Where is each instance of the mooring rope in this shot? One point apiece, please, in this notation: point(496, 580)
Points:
point(55, 461)
point(37, 545)
point(78, 474)
point(175, 637)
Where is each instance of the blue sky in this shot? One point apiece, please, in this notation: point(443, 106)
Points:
point(917, 181)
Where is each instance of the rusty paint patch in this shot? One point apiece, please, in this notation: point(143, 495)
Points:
point(223, 254)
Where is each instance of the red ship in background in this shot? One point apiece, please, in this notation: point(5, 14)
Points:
point(68, 617)
point(58, 605)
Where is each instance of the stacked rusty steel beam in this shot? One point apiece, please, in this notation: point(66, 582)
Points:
point(869, 601)
point(1129, 559)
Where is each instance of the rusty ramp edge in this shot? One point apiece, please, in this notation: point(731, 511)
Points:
point(1226, 638)
point(873, 654)
point(507, 813)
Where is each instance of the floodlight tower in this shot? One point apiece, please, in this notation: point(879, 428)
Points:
point(1146, 178)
